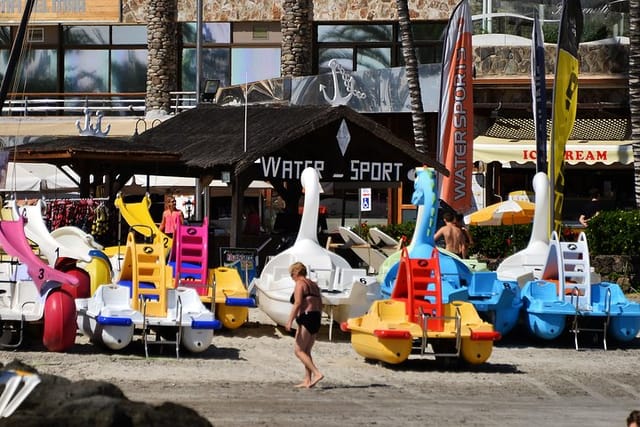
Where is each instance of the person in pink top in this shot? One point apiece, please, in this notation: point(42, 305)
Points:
point(170, 217)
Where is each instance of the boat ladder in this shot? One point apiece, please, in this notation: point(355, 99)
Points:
point(190, 254)
point(576, 272)
point(575, 326)
point(149, 332)
point(425, 336)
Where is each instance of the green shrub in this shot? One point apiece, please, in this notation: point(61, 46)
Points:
point(499, 241)
point(489, 242)
point(614, 233)
point(397, 231)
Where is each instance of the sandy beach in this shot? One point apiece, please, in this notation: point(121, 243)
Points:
point(247, 377)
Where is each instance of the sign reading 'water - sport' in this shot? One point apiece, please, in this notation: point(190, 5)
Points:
point(355, 170)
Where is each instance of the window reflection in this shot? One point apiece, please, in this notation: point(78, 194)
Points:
point(212, 32)
point(86, 34)
point(602, 18)
point(129, 34)
point(373, 58)
point(5, 36)
point(253, 64)
point(215, 65)
point(4, 60)
point(354, 33)
point(424, 55)
point(39, 71)
point(86, 70)
point(374, 46)
point(128, 70)
point(344, 56)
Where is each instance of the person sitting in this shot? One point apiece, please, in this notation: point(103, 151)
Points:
point(454, 237)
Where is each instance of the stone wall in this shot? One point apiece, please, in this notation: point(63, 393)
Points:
point(271, 10)
point(504, 61)
point(621, 269)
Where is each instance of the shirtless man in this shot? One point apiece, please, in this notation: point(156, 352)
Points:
point(454, 237)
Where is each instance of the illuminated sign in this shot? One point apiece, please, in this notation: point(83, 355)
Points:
point(62, 10)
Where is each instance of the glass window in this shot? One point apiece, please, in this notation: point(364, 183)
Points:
point(40, 71)
point(129, 70)
point(373, 58)
point(215, 65)
point(212, 32)
point(5, 36)
point(354, 33)
point(425, 54)
point(86, 70)
point(86, 35)
point(344, 56)
point(427, 31)
point(253, 64)
point(129, 34)
point(4, 60)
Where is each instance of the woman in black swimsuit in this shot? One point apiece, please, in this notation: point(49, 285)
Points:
point(307, 311)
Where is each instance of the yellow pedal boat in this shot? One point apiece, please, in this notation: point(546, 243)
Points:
point(415, 316)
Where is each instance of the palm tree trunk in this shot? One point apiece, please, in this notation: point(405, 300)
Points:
point(634, 90)
point(162, 55)
point(296, 26)
point(413, 80)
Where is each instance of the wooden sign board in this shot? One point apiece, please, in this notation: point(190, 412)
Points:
point(62, 10)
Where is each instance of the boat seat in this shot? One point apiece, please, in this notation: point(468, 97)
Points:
point(392, 311)
point(544, 290)
point(482, 284)
point(280, 272)
point(323, 277)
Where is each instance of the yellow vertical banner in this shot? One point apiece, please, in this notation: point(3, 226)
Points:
point(565, 102)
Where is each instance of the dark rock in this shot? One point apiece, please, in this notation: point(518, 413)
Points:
point(59, 402)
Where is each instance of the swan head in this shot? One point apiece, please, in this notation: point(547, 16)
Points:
point(309, 177)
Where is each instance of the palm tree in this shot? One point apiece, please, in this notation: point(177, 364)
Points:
point(634, 90)
point(413, 80)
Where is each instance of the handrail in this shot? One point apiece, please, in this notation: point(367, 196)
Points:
point(130, 103)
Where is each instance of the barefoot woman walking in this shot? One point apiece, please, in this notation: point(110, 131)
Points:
point(307, 310)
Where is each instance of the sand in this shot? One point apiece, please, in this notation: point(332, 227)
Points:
point(247, 377)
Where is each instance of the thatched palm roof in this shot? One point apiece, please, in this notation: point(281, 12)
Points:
point(210, 136)
point(88, 147)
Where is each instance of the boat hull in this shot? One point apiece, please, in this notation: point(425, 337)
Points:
point(108, 319)
point(384, 333)
point(275, 304)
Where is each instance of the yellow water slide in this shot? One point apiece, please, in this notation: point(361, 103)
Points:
point(138, 217)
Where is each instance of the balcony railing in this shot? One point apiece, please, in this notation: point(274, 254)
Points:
point(73, 104)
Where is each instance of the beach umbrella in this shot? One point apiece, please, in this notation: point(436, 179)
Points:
point(508, 212)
